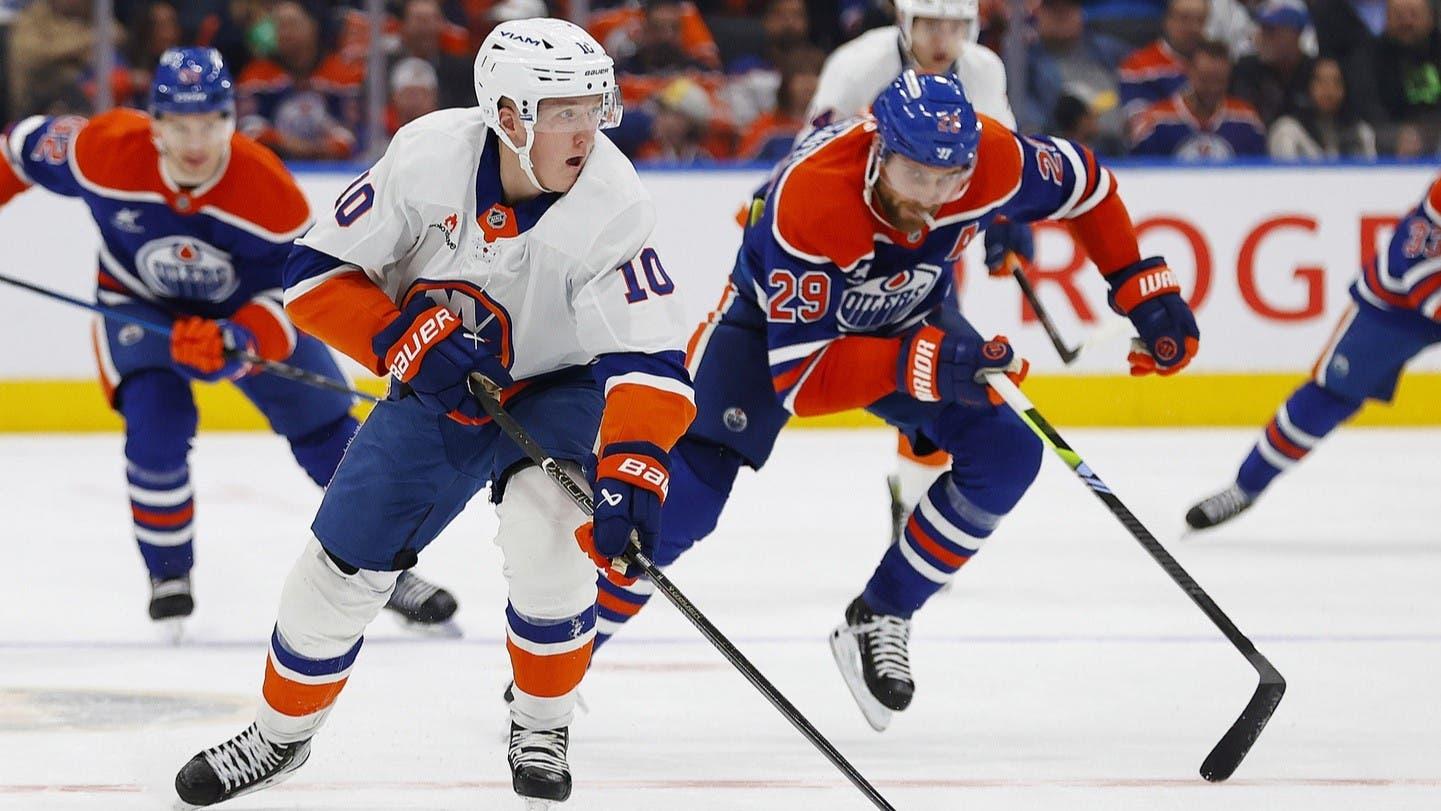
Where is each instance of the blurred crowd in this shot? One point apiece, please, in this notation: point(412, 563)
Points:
point(719, 80)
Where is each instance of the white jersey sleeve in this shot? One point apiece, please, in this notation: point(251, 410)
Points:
point(627, 304)
point(983, 76)
point(855, 73)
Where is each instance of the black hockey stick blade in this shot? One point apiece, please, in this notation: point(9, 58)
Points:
point(1233, 746)
point(488, 394)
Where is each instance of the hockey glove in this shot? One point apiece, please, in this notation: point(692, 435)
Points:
point(936, 366)
point(1004, 238)
point(1147, 293)
point(209, 350)
point(631, 480)
point(427, 348)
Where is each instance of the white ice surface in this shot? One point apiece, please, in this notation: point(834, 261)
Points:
point(1064, 671)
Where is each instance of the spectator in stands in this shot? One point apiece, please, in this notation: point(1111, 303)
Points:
point(1200, 122)
point(753, 78)
point(154, 29)
point(771, 136)
point(1075, 121)
point(302, 103)
point(421, 24)
point(659, 46)
point(1276, 79)
point(628, 28)
point(52, 45)
point(414, 91)
point(1326, 126)
point(1398, 77)
point(1158, 70)
point(1346, 28)
point(679, 122)
point(1066, 59)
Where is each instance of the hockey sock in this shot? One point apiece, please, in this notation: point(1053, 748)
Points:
point(548, 658)
point(944, 531)
point(1300, 423)
point(163, 508)
point(616, 604)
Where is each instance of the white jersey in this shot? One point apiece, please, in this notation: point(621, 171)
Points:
point(559, 280)
point(859, 70)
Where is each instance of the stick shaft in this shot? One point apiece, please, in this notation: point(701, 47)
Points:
point(1029, 291)
point(276, 368)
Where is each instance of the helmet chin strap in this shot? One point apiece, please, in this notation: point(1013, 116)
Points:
point(523, 153)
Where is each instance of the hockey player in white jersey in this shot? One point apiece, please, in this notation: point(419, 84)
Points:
point(507, 241)
point(931, 36)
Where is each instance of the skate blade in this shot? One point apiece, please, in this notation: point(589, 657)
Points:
point(440, 630)
point(537, 804)
point(848, 658)
point(171, 631)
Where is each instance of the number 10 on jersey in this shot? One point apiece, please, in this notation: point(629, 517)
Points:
point(655, 277)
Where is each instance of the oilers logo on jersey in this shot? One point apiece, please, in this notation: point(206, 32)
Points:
point(183, 267)
point(877, 303)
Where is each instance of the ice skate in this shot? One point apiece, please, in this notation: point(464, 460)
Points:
point(422, 605)
point(1220, 508)
point(871, 651)
point(246, 763)
point(171, 603)
point(538, 769)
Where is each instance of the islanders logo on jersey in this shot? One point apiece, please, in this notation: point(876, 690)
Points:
point(187, 268)
point(880, 302)
point(482, 316)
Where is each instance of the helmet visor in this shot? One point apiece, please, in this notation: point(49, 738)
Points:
point(579, 113)
point(923, 184)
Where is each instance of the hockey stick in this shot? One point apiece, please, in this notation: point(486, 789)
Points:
point(274, 367)
point(1018, 270)
point(1233, 746)
point(485, 392)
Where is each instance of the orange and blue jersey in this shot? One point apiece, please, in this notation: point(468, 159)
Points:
point(322, 108)
point(1169, 128)
point(207, 251)
point(833, 284)
point(1407, 275)
point(1149, 75)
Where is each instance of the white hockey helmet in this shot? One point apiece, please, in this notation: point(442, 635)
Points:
point(908, 10)
point(534, 59)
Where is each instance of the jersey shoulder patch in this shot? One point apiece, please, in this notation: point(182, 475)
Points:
point(998, 173)
point(820, 211)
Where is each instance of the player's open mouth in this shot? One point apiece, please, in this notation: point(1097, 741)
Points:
point(575, 162)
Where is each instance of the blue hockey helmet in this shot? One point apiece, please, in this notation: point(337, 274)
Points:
point(927, 118)
point(192, 80)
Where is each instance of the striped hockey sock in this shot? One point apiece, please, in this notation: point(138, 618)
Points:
point(945, 529)
point(548, 658)
point(616, 604)
point(163, 507)
point(1300, 424)
point(299, 690)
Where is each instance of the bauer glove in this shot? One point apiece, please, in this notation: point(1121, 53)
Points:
point(631, 480)
point(428, 349)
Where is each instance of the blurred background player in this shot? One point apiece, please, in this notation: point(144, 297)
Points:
point(195, 224)
point(837, 301)
point(930, 36)
point(1395, 314)
point(576, 321)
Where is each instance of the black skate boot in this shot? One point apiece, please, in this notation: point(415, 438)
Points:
point(538, 771)
point(170, 598)
point(248, 762)
point(420, 601)
point(1220, 508)
point(871, 651)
